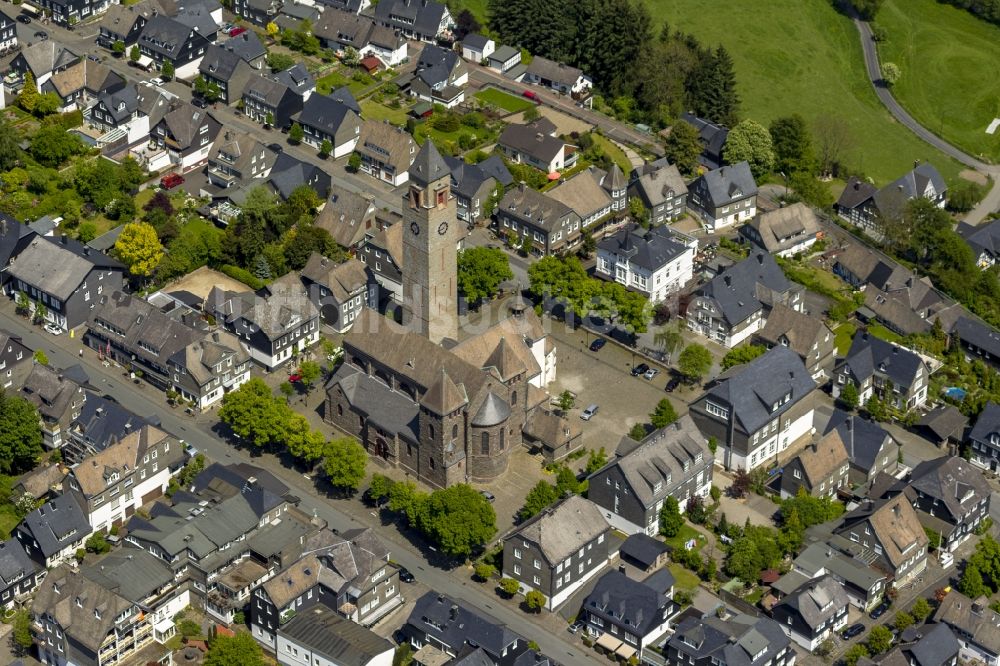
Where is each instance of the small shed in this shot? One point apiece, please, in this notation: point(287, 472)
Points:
point(371, 64)
point(422, 110)
point(943, 425)
point(644, 552)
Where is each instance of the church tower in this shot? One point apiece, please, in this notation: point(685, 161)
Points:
point(430, 258)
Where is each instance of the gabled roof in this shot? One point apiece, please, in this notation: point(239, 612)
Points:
point(869, 355)
point(583, 192)
point(282, 308)
point(862, 439)
point(979, 334)
point(525, 203)
point(562, 529)
point(466, 179)
point(444, 396)
point(298, 78)
point(266, 89)
point(421, 16)
point(936, 646)
point(659, 183)
point(141, 328)
point(123, 458)
point(290, 173)
point(165, 36)
point(785, 227)
point(58, 523)
point(58, 266)
point(824, 458)
point(132, 573)
point(346, 216)
point(85, 75)
point(651, 249)
point(534, 139)
point(643, 549)
point(797, 329)
point(973, 618)
point(895, 525)
point(745, 288)
point(944, 421)
point(344, 279)
point(630, 602)
point(452, 623)
point(757, 386)
point(184, 122)
point(246, 45)
point(987, 424)
point(556, 72)
point(958, 485)
point(387, 143)
point(47, 56)
point(102, 422)
point(84, 609)
point(323, 632)
point(856, 193)
point(892, 198)
point(222, 64)
point(14, 563)
point(713, 138)
point(436, 65)
point(729, 183)
point(743, 640)
point(326, 114)
point(816, 601)
point(120, 19)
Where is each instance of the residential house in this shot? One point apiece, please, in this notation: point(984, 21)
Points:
point(52, 533)
point(724, 196)
point(19, 576)
point(208, 368)
point(122, 23)
point(784, 231)
point(593, 194)
point(352, 6)
point(928, 645)
point(557, 77)
point(58, 400)
point(164, 39)
point(670, 462)
point(258, 12)
point(324, 118)
point(475, 185)
point(272, 324)
point(8, 33)
point(661, 189)
point(43, 59)
point(554, 435)
point(338, 290)
point(735, 304)
point(812, 613)
point(758, 411)
point(440, 77)
point(321, 636)
point(341, 30)
point(557, 551)
point(386, 151)
point(864, 585)
point(975, 625)
point(477, 48)
point(290, 173)
point(506, 60)
point(79, 85)
point(298, 78)
point(423, 20)
point(884, 370)
point(67, 13)
point(383, 256)
point(225, 70)
point(983, 240)
point(551, 225)
point(863, 205)
point(740, 640)
point(102, 423)
point(984, 438)
point(870, 449)
point(349, 218)
point(266, 99)
point(951, 496)
point(238, 158)
point(117, 481)
point(656, 262)
point(626, 616)
point(15, 360)
point(820, 470)
point(186, 134)
point(14, 238)
point(247, 45)
point(349, 574)
point(292, 14)
point(978, 340)
point(644, 552)
point(944, 425)
point(888, 534)
point(809, 337)
point(536, 144)
point(713, 140)
point(129, 114)
point(203, 16)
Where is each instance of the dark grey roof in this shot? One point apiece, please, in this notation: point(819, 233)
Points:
point(731, 642)
point(246, 45)
point(58, 265)
point(911, 185)
point(979, 334)
point(421, 16)
point(494, 166)
point(223, 481)
point(627, 602)
point(345, 97)
point(14, 562)
point(863, 439)
point(198, 17)
point(353, 6)
point(325, 114)
point(298, 78)
point(869, 355)
point(729, 183)
point(289, 173)
point(435, 65)
point(493, 411)
point(475, 41)
point(268, 90)
point(14, 237)
point(534, 139)
point(392, 411)
point(937, 646)
point(527, 203)
point(339, 640)
point(219, 63)
point(454, 624)
point(103, 422)
point(954, 482)
point(740, 290)
point(164, 35)
point(944, 421)
point(987, 424)
point(713, 139)
point(651, 249)
point(428, 165)
point(57, 523)
point(504, 52)
point(554, 71)
point(131, 573)
point(466, 179)
point(758, 385)
point(856, 193)
point(816, 601)
point(121, 103)
point(643, 548)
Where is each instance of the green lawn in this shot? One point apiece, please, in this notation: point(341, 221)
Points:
point(479, 9)
point(881, 332)
point(612, 150)
point(683, 579)
point(801, 56)
point(505, 101)
point(685, 534)
point(448, 142)
point(843, 336)
point(948, 60)
point(372, 110)
point(8, 520)
point(329, 82)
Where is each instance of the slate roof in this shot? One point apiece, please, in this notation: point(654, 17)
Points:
point(817, 600)
point(391, 411)
point(184, 122)
point(856, 193)
point(475, 41)
point(47, 56)
point(345, 215)
point(978, 334)
point(246, 45)
point(944, 421)
point(339, 640)
point(119, 19)
point(556, 72)
point(289, 173)
point(936, 646)
point(625, 601)
point(467, 179)
point(895, 525)
point(659, 183)
point(428, 166)
point(223, 481)
point(104, 422)
point(57, 523)
point(298, 78)
point(282, 308)
point(713, 138)
point(50, 391)
point(745, 288)
point(562, 529)
point(534, 139)
point(435, 65)
point(798, 329)
point(343, 279)
point(980, 625)
point(729, 183)
point(756, 386)
point(326, 114)
point(651, 249)
point(987, 424)
point(165, 36)
point(583, 192)
point(200, 358)
point(58, 266)
point(14, 236)
point(783, 228)
point(643, 549)
point(387, 143)
point(421, 16)
point(353, 6)
point(85, 610)
point(145, 330)
point(869, 355)
point(892, 198)
point(131, 573)
point(123, 458)
point(266, 89)
point(733, 642)
point(824, 458)
point(523, 202)
point(862, 439)
point(452, 623)
point(502, 349)
point(223, 64)
point(958, 485)
point(14, 563)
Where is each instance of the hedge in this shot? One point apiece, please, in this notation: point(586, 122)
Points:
point(243, 275)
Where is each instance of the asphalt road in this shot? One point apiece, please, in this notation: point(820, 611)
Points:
point(63, 352)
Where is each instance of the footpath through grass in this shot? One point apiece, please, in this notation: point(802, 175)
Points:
point(948, 60)
point(801, 56)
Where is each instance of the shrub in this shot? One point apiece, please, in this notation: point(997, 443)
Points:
point(509, 586)
point(243, 275)
point(485, 571)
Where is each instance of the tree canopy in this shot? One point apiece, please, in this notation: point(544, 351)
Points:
point(792, 143)
point(139, 248)
point(480, 272)
point(344, 463)
point(458, 519)
point(663, 415)
point(694, 362)
point(683, 147)
point(239, 650)
point(20, 434)
point(749, 141)
point(742, 354)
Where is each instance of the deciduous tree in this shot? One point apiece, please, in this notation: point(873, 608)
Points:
point(458, 520)
point(20, 434)
point(539, 497)
point(683, 147)
point(742, 354)
point(238, 650)
point(253, 413)
point(139, 248)
point(296, 133)
point(891, 73)
point(792, 144)
point(344, 463)
point(481, 270)
point(879, 639)
point(134, 54)
point(749, 141)
point(534, 601)
point(694, 362)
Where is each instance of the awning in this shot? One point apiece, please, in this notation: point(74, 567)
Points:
point(608, 642)
point(31, 9)
point(625, 651)
point(144, 61)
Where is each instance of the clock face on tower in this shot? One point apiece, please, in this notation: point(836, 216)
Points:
point(443, 228)
point(415, 228)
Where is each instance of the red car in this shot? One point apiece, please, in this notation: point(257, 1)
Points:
point(171, 180)
point(238, 30)
point(531, 94)
point(294, 378)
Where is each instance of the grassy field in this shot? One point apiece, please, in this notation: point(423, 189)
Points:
point(477, 7)
point(844, 334)
point(612, 150)
point(505, 101)
point(800, 56)
point(948, 60)
point(372, 110)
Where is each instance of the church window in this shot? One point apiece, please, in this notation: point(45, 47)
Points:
point(503, 433)
point(340, 410)
point(430, 427)
point(432, 462)
point(442, 197)
point(513, 398)
point(486, 443)
point(454, 431)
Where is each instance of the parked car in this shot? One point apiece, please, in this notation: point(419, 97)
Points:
point(199, 102)
point(276, 147)
point(237, 31)
point(490, 497)
point(171, 180)
point(41, 34)
point(53, 329)
point(24, 18)
point(405, 575)
point(880, 610)
point(597, 344)
point(156, 81)
point(852, 631)
point(640, 369)
point(589, 412)
point(651, 373)
point(576, 626)
point(531, 94)
point(673, 384)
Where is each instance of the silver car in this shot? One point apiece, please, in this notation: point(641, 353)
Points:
point(589, 412)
